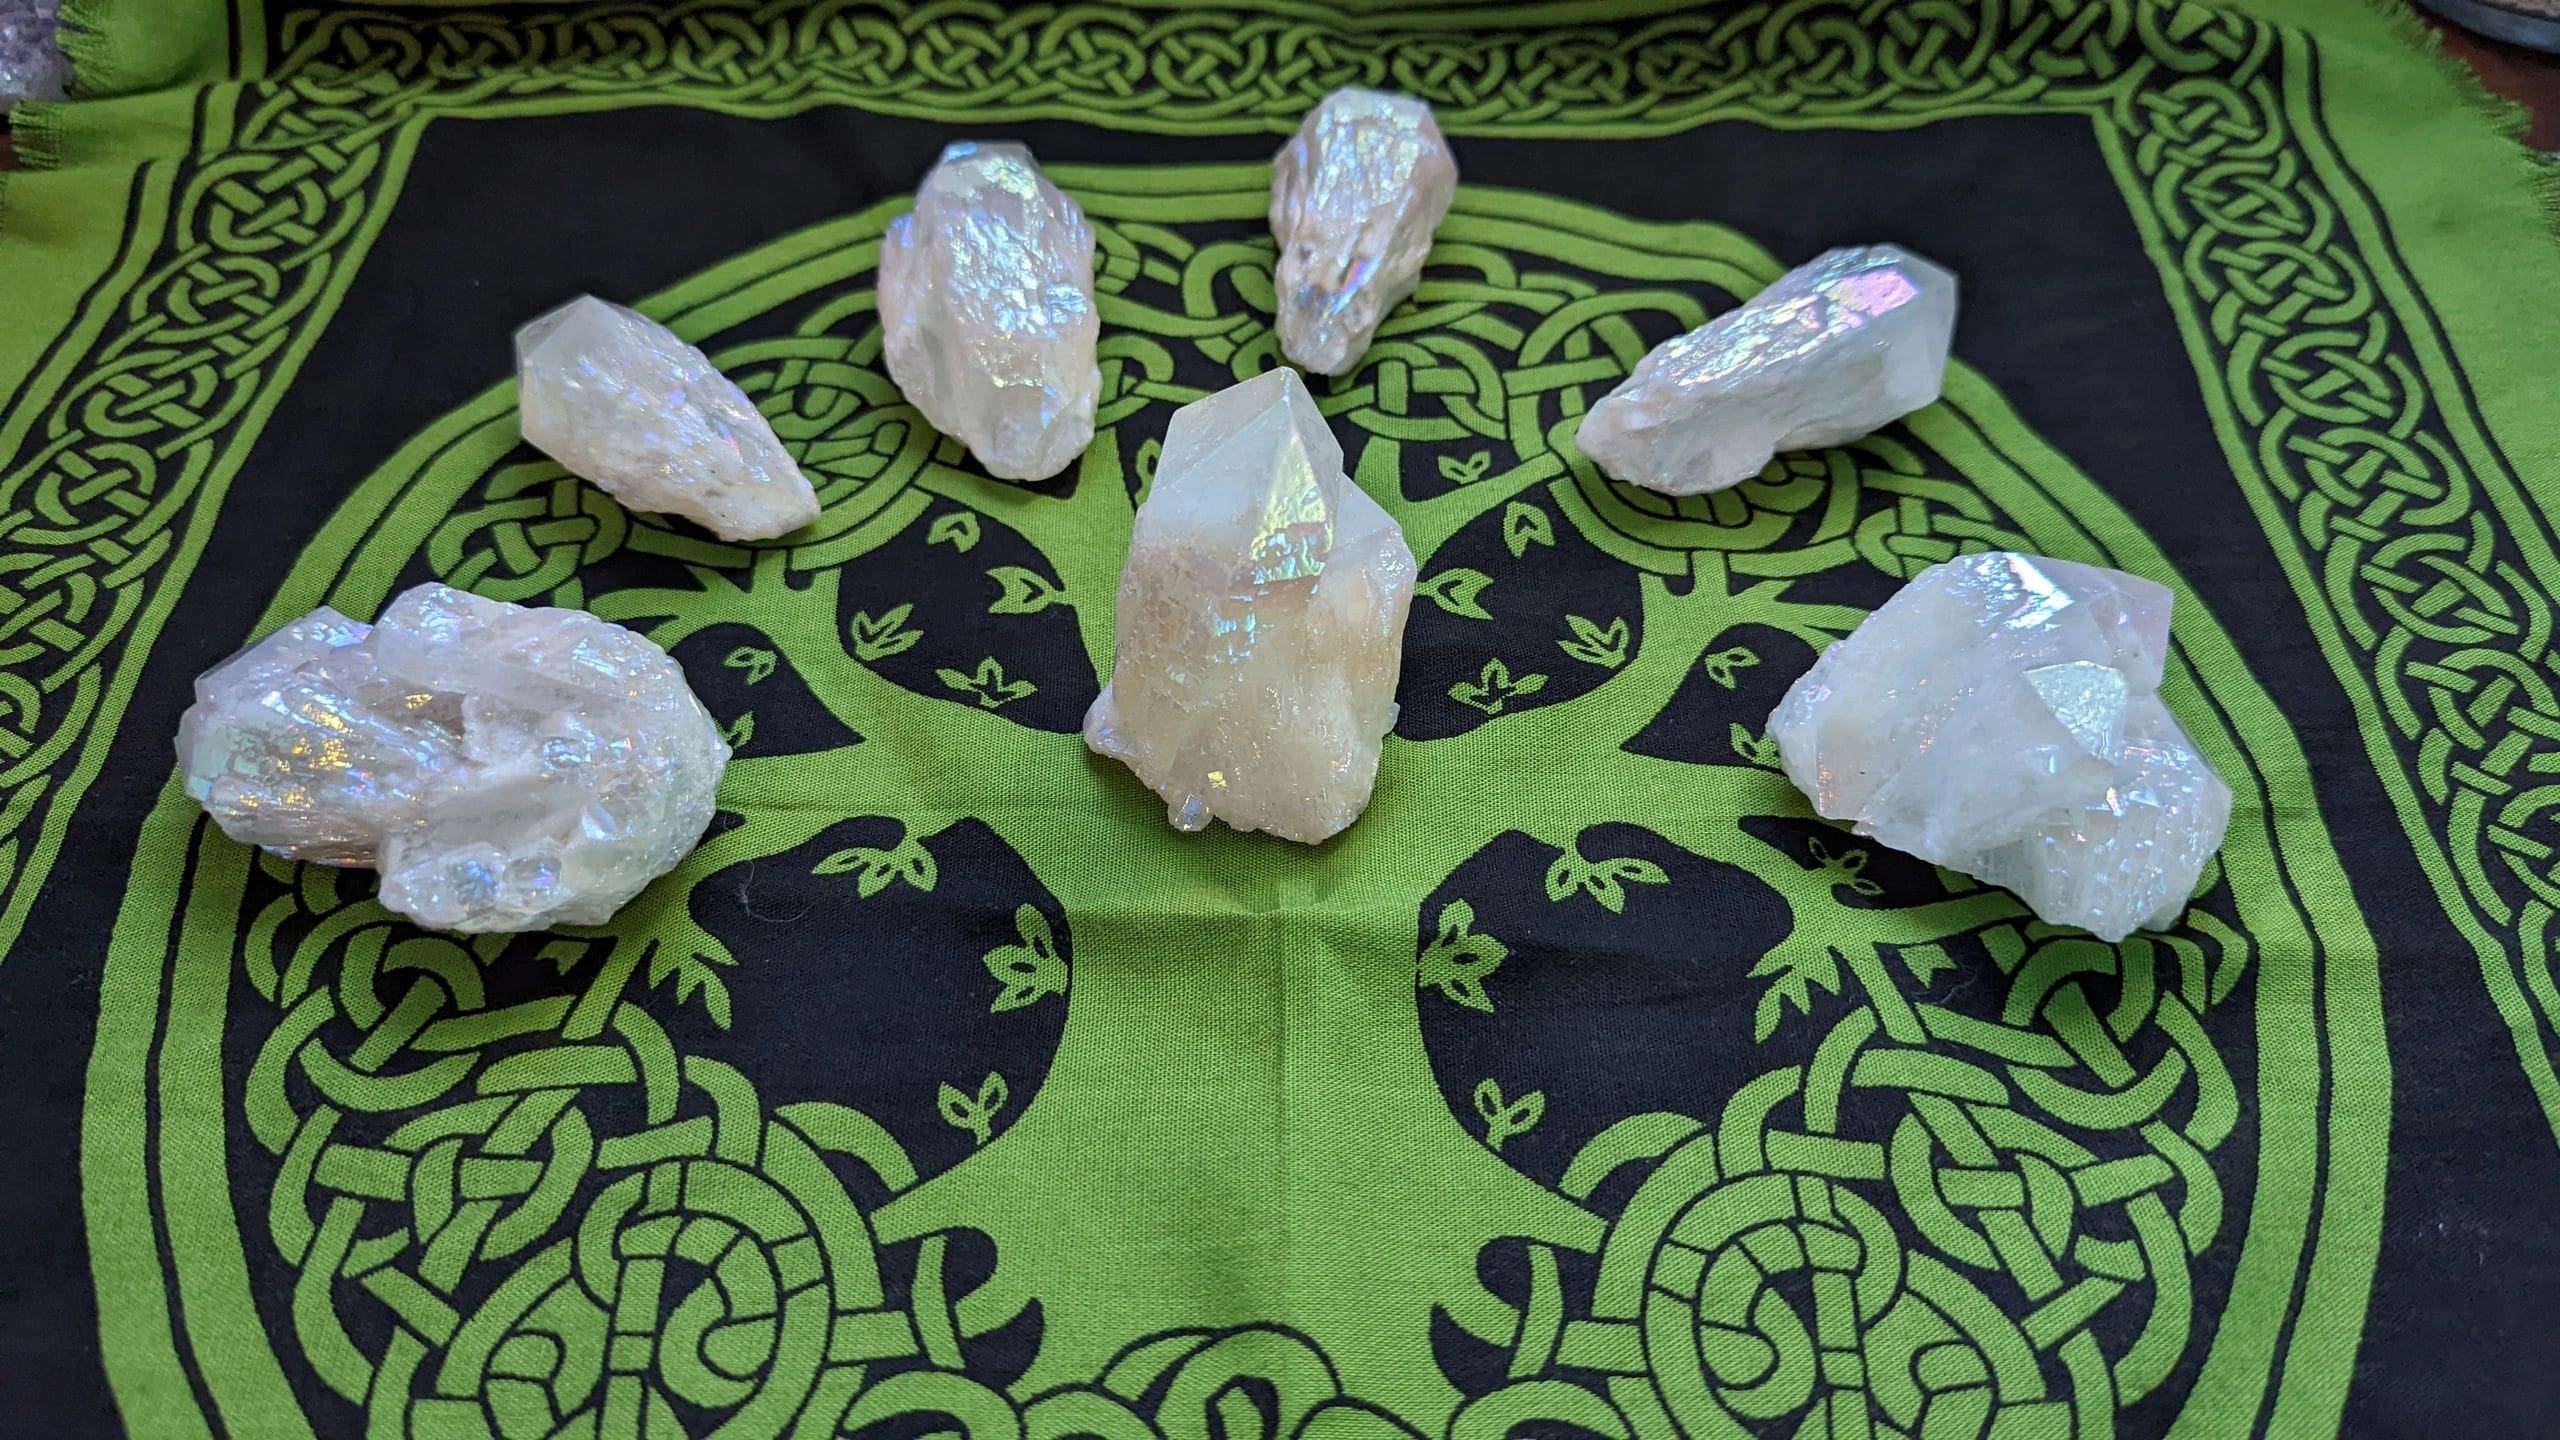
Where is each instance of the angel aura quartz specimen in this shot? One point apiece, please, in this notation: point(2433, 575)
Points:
point(622, 402)
point(1833, 350)
point(1355, 198)
point(987, 309)
point(1261, 622)
point(504, 768)
point(2001, 716)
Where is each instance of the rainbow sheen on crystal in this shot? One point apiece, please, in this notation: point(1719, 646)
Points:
point(1261, 622)
point(1355, 198)
point(2001, 715)
point(1851, 341)
point(987, 311)
point(624, 403)
point(504, 768)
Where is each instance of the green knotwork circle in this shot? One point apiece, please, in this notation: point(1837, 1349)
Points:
point(517, 1204)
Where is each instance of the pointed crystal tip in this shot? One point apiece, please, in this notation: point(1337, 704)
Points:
point(1356, 197)
point(1835, 348)
point(622, 402)
point(987, 310)
point(1261, 621)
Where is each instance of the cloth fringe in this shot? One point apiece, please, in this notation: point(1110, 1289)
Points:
point(2540, 175)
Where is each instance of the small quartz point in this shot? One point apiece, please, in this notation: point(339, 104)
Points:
point(987, 309)
point(1261, 622)
point(621, 401)
point(2001, 716)
point(1354, 200)
point(1835, 349)
point(504, 768)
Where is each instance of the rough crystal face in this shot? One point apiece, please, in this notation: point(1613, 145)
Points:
point(1355, 198)
point(2001, 715)
point(987, 311)
point(1839, 346)
point(1261, 622)
point(504, 768)
point(621, 401)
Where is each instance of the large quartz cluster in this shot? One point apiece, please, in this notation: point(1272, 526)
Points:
point(504, 768)
point(1355, 198)
point(622, 401)
point(2001, 715)
point(1261, 622)
point(987, 311)
point(1834, 349)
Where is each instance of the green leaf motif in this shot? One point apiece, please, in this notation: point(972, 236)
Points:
point(1467, 471)
point(1025, 592)
point(1720, 666)
point(1754, 749)
point(1031, 971)
point(692, 972)
point(1844, 868)
point(1506, 1118)
point(1494, 687)
point(877, 638)
point(1524, 525)
point(1602, 880)
point(1800, 968)
point(974, 1113)
point(874, 869)
point(757, 661)
point(1924, 961)
point(1458, 961)
point(741, 730)
point(958, 529)
point(989, 687)
point(1595, 644)
point(1456, 590)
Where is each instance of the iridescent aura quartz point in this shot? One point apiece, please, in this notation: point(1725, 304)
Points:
point(1261, 622)
point(1833, 350)
point(987, 311)
point(623, 402)
point(2001, 716)
point(1355, 197)
point(503, 768)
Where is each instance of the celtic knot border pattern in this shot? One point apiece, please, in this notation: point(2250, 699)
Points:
point(2019, 1153)
point(2433, 570)
point(2438, 599)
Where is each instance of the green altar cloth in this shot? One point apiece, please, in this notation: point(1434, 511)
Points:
point(1589, 1086)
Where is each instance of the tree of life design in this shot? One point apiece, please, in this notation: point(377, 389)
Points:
point(1239, 1180)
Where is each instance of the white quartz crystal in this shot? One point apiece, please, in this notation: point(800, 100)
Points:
point(2001, 716)
point(987, 311)
point(621, 401)
point(1355, 198)
point(504, 768)
point(1836, 348)
point(1261, 621)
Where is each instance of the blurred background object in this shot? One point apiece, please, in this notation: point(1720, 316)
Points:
point(31, 64)
point(2534, 24)
point(2526, 75)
